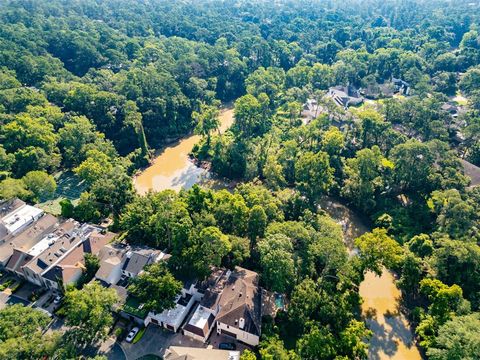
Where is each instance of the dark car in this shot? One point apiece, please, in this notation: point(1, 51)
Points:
point(227, 346)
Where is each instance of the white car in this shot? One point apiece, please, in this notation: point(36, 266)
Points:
point(57, 299)
point(131, 334)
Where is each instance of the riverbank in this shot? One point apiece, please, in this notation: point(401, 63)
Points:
point(172, 167)
point(392, 337)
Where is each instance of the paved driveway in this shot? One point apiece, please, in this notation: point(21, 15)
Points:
point(8, 299)
point(155, 341)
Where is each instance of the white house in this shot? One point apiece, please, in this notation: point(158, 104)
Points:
point(173, 318)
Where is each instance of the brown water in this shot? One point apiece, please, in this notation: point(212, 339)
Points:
point(392, 337)
point(172, 168)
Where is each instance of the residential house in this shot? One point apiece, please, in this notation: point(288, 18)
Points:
point(311, 110)
point(17, 217)
point(345, 96)
point(59, 257)
point(69, 269)
point(191, 353)
point(112, 258)
point(200, 325)
point(24, 244)
point(173, 318)
point(232, 303)
point(137, 259)
point(400, 86)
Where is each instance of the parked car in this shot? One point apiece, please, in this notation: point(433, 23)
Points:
point(227, 346)
point(131, 334)
point(58, 299)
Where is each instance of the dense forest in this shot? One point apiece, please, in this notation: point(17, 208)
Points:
point(93, 87)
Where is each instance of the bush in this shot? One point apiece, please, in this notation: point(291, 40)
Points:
point(119, 333)
point(16, 287)
point(6, 284)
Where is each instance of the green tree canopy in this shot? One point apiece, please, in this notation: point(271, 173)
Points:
point(156, 288)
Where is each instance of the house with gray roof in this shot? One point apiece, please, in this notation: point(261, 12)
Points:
point(345, 96)
point(138, 258)
point(24, 243)
point(400, 86)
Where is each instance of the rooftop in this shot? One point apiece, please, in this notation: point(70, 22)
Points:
point(27, 239)
point(20, 245)
point(8, 206)
point(241, 299)
point(54, 248)
point(190, 353)
point(50, 238)
point(200, 321)
point(176, 314)
point(137, 259)
point(15, 220)
point(200, 317)
point(73, 262)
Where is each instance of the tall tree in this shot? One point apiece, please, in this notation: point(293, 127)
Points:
point(88, 313)
point(156, 288)
point(313, 174)
point(207, 120)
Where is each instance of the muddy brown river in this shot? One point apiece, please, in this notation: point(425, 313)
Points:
point(172, 168)
point(392, 338)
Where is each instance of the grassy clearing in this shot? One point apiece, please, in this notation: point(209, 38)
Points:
point(69, 186)
point(460, 99)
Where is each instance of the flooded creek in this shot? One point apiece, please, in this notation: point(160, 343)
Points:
point(392, 337)
point(172, 168)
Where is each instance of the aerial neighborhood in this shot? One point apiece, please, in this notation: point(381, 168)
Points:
point(51, 253)
point(239, 180)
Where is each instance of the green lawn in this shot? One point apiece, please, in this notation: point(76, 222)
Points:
point(132, 307)
point(69, 186)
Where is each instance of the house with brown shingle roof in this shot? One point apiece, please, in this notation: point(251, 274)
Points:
point(232, 304)
point(24, 242)
point(70, 268)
